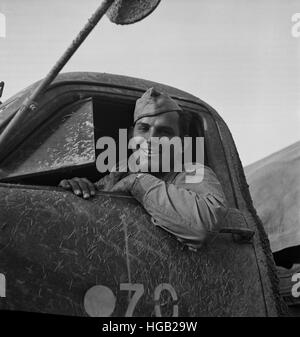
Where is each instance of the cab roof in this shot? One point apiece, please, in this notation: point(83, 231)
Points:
point(10, 106)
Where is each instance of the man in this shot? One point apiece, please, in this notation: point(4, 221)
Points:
point(190, 211)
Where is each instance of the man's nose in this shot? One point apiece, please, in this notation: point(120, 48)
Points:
point(149, 137)
point(152, 133)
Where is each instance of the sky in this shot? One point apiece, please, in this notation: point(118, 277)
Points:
point(239, 56)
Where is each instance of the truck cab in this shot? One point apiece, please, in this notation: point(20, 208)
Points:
point(64, 255)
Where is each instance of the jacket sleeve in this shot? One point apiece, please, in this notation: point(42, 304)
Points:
point(109, 180)
point(187, 210)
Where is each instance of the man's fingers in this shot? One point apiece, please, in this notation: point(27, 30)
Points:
point(84, 188)
point(80, 186)
point(65, 184)
point(90, 185)
point(75, 187)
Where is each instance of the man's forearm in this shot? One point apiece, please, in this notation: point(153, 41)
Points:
point(186, 214)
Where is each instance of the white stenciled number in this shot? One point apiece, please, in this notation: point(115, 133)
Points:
point(2, 25)
point(138, 292)
point(2, 286)
point(157, 292)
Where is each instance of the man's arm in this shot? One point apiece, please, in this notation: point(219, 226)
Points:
point(188, 211)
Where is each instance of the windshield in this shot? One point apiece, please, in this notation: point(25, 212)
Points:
point(66, 140)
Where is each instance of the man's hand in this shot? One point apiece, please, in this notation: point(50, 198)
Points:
point(79, 186)
point(125, 184)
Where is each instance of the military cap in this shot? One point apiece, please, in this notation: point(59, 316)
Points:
point(154, 103)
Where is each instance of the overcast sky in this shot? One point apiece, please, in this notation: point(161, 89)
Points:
point(239, 56)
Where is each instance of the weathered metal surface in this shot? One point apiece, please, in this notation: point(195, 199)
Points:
point(100, 79)
point(10, 106)
point(125, 12)
point(55, 246)
point(68, 140)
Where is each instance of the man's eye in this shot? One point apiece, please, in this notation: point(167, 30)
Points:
point(143, 128)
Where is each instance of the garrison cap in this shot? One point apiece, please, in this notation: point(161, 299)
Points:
point(154, 103)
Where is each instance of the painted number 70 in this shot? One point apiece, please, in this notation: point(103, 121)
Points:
point(100, 301)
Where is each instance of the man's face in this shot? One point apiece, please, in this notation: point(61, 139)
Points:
point(164, 125)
